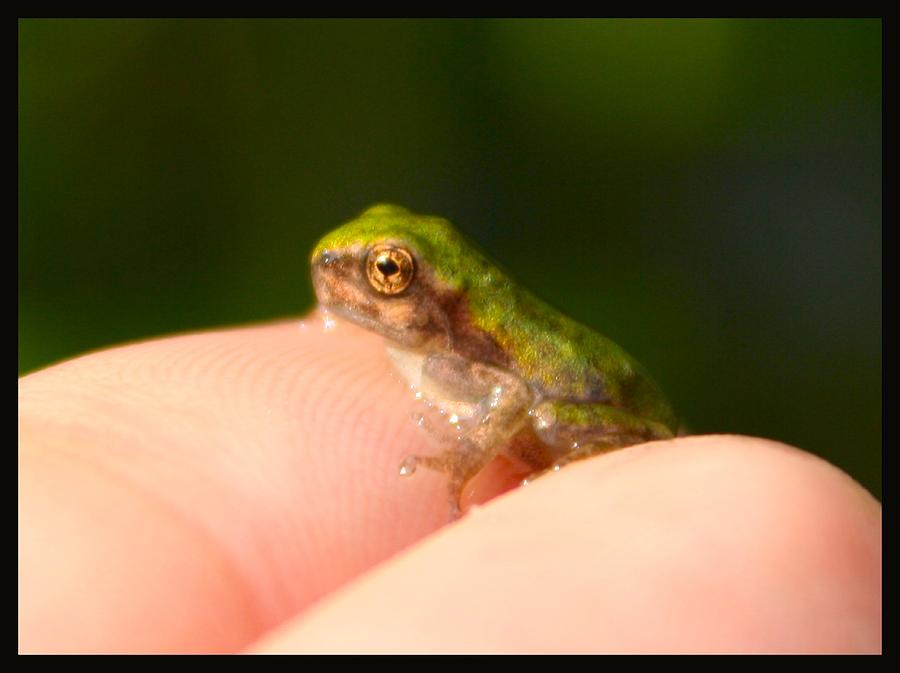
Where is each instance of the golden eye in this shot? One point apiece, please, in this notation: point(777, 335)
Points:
point(390, 269)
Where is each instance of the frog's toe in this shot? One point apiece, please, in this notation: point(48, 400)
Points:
point(412, 462)
point(454, 511)
point(408, 465)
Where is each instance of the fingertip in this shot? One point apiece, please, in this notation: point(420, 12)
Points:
point(701, 544)
point(278, 444)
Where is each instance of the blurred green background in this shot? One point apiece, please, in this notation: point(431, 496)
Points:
point(706, 193)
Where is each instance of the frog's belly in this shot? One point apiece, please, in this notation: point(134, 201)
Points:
point(410, 365)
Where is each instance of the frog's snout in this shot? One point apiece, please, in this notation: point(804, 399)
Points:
point(326, 266)
point(332, 275)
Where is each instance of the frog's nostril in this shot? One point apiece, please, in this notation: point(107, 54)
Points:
point(327, 257)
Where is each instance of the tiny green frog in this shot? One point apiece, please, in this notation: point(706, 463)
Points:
point(498, 369)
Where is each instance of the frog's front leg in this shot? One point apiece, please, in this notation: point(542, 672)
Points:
point(498, 407)
point(580, 430)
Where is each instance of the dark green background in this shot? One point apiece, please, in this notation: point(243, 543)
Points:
point(708, 194)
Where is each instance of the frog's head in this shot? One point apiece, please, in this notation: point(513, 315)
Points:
point(396, 273)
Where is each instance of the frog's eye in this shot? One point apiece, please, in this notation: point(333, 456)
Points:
point(390, 269)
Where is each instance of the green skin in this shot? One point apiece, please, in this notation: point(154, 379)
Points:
point(509, 371)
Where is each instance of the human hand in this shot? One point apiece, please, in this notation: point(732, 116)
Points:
point(235, 490)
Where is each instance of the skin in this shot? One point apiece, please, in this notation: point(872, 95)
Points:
point(509, 372)
point(236, 490)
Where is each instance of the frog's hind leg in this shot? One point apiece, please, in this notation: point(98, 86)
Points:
point(582, 430)
point(582, 451)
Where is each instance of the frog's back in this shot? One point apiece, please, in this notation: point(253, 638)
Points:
point(563, 359)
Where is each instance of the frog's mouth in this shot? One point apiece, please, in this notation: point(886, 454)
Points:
point(335, 299)
point(366, 322)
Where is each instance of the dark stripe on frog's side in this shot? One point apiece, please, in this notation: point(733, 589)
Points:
point(466, 339)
